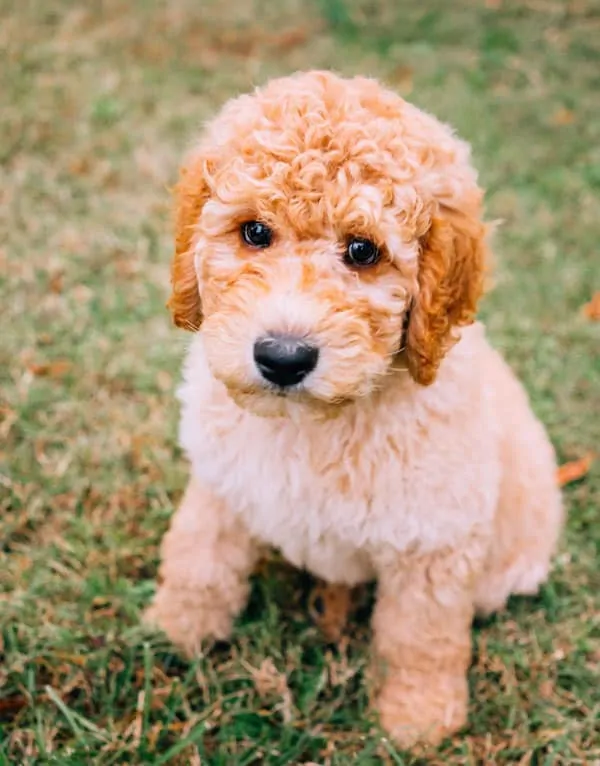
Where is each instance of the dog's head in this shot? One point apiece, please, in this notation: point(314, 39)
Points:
point(327, 232)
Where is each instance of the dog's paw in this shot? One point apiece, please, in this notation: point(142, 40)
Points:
point(188, 620)
point(422, 713)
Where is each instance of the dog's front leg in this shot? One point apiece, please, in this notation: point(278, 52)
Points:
point(422, 644)
point(207, 557)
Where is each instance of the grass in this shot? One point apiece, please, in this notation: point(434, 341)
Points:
point(98, 102)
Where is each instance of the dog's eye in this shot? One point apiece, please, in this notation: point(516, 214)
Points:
point(361, 252)
point(256, 234)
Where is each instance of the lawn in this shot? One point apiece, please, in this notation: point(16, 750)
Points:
point(97, 103)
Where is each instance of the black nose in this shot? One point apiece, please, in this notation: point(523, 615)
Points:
point(284, 360)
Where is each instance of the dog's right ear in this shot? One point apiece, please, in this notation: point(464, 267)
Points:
point(191, 192)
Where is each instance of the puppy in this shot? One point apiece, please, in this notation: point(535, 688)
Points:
point(339, 402)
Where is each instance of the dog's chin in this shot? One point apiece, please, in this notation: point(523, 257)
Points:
point(281, 403)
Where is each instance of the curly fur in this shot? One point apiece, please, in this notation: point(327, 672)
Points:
point(410, 454)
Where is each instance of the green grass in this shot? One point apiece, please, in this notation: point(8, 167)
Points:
point(98, 101)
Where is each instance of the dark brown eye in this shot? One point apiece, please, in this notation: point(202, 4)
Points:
point(256, 234)
point(361, 252)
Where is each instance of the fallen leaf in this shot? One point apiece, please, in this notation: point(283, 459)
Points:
point(72, 659)
point(574, 470)
point(80, 166)
point(289, 38)
point(402, 78)
point(592, 309)
point(329, 606)
point(56, 369)
point(56, 282)
point(563, 117)
point(13, 704)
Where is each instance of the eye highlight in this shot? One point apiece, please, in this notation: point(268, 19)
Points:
point(256, 234)
point(361, 252)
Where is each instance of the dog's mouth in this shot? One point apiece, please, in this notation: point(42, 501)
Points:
point(262, 389)
point(281, 392)
point(268, 400)
point(297, 392)
point(298, 402)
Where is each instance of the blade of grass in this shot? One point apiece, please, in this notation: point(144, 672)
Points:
point(76, 721)
point(180, 746)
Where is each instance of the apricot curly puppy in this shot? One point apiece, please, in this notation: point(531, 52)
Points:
point(339, 403)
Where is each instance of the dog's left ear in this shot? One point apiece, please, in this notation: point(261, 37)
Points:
point(450, 283)
point(191, 193)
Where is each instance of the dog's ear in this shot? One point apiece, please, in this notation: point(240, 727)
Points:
point(190, 194)
point(450, 282)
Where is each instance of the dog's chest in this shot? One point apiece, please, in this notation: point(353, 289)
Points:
point(331, 496)
point(315, 502)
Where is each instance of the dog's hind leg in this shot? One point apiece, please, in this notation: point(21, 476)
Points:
point(529, 517)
